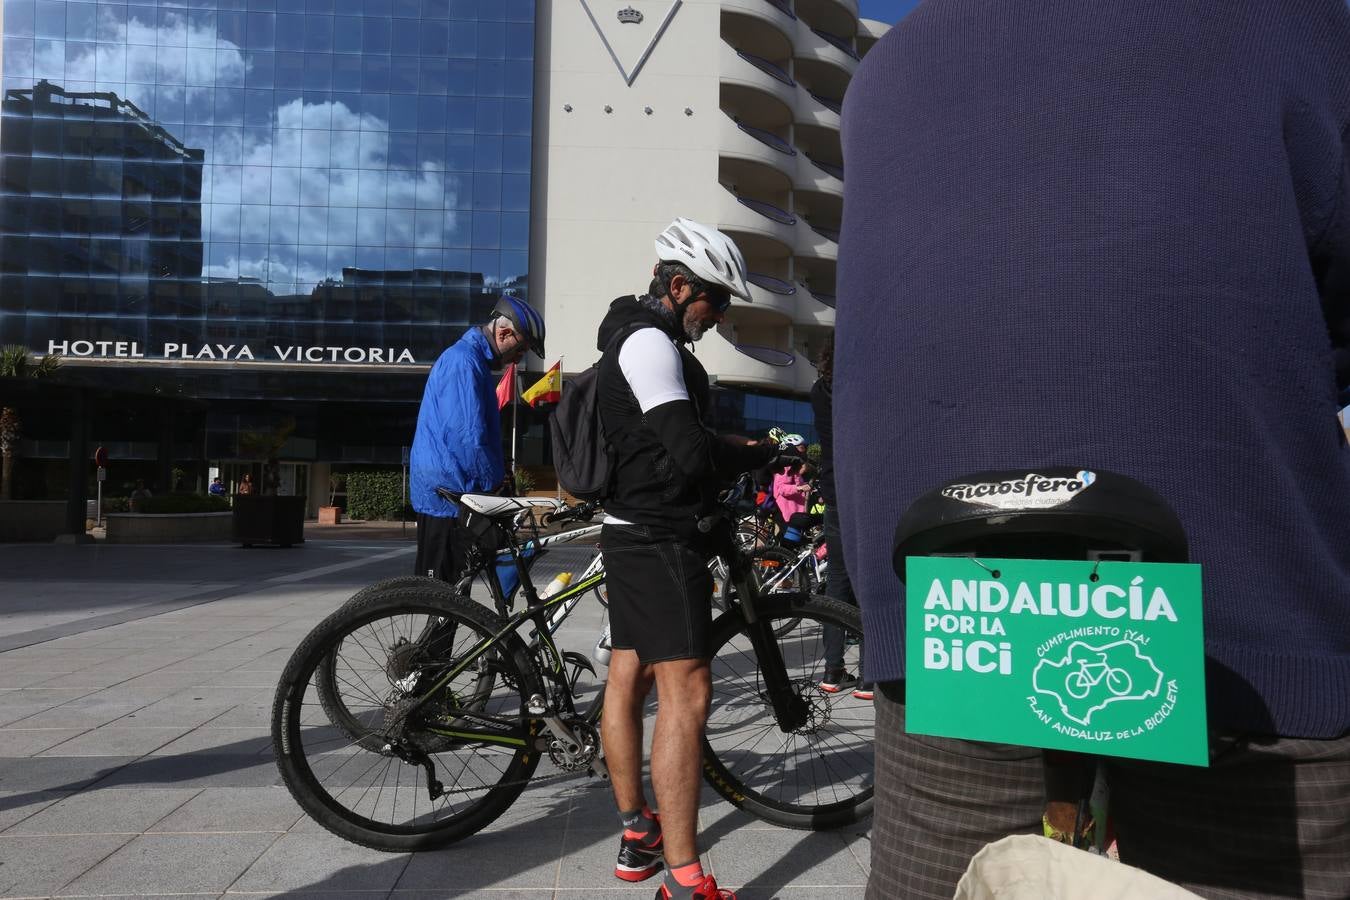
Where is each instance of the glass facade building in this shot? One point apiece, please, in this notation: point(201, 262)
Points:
point(279, 175)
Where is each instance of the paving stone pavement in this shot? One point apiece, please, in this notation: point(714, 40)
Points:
point(136, 686)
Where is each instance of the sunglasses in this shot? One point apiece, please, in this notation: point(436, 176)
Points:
point(720, 298)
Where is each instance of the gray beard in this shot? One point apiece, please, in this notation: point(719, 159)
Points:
point(695, 330)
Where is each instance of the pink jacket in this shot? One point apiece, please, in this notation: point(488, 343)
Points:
point(789, 492)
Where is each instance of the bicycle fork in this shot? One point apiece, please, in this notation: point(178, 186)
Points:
point(789, 709)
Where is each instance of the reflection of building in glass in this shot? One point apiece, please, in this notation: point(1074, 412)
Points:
point(102, 207)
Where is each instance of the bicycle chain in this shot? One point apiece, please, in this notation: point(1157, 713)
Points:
point(540, 779)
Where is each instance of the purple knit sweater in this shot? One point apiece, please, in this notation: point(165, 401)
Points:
point(1113, 235)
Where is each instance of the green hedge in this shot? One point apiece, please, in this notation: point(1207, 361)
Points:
point(176, 504)
point(374, 495)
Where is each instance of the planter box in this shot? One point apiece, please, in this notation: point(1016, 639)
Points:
point(176, 528)
point(32, 520)
point(330, 515)
point(261, 519)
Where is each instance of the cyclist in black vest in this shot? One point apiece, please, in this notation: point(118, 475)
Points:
point(653, 397)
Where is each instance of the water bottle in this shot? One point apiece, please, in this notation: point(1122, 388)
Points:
point(560, 581)
point(602, 648)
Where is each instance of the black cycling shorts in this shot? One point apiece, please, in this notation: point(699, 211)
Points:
point(660, 593)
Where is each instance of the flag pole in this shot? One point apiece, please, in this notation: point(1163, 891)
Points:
point(515, 421)
point(558, 483)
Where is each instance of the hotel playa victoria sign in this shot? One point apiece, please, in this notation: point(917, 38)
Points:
point(628, 32)
point(1097, 657)
point(200, 352)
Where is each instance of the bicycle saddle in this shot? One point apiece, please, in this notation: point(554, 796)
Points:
point(497, 507)
point(1051, 512)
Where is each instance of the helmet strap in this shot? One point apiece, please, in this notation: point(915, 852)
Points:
point(490, 332)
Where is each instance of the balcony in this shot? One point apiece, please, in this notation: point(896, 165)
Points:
point(812, 243)
point(823, 47)
point(760, 229)
point(771, 69)
point(768, 138)
point(746, 70)
point(827, 168)
point(777, 11)
point(757, 161)
point(834, 106)
point(811, 112)
point(836, 16)
point(770, 293)
point(837, 41)
point(731, 366)
point(869, 32)
point(812, 179)
point(768, 210)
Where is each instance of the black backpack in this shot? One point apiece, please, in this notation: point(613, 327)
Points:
point(582, 454)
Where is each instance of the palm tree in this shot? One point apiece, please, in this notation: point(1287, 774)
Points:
point(15, 362)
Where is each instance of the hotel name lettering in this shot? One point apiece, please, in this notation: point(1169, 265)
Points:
point(295, 353)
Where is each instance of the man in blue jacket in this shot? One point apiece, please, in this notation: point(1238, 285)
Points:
point(1114, 234)
point(458, 444)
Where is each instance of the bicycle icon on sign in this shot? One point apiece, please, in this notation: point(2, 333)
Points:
point(1090, 674)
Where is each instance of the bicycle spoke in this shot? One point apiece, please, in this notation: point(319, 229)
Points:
point(828, 759)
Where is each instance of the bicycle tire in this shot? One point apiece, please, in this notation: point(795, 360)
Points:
point(822, 778)
point(312, 753)
point(330, 694)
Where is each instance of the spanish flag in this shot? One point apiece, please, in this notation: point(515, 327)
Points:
point(547, 389)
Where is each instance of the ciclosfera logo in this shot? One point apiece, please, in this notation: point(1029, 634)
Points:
point(1031, 491)
point(1088, 678)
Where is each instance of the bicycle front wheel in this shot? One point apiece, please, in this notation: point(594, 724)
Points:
point(818, 776)
point(472, 732)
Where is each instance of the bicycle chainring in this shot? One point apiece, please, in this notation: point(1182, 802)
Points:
point(580, 760)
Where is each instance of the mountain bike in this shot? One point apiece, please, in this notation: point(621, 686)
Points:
point(457, 719)
point(358, 714)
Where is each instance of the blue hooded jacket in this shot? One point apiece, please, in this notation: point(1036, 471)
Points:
point(459, 431)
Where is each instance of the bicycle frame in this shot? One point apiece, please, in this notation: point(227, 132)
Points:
point(790, 710)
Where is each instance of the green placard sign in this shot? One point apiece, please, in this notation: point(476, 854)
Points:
point(1097, 657)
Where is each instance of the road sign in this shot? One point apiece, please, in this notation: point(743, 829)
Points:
point(101, 457)
point(102, 473)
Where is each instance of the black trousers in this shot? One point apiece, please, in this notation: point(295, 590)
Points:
point(442, 547)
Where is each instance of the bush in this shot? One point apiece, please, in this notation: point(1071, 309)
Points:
point(524, 482)
point(374, 495)
point(177, 504)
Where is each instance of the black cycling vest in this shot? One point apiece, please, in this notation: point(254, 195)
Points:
point(649, 489)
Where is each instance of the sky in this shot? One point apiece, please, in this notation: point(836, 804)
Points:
point(888, 11)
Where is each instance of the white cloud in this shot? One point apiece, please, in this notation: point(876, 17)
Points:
point(316, 176)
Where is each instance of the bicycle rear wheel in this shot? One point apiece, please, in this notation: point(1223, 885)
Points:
point(474, 733)
point(352, 714)
point(816, 777)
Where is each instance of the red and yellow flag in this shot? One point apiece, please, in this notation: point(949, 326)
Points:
point(506, 388)
point(547, 389)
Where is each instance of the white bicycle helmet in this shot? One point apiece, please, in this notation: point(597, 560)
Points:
point(708, 253)
point(791, 440)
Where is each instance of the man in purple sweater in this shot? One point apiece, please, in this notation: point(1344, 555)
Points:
point(1116, 235)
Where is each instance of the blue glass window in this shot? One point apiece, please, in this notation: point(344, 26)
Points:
point(265, 168)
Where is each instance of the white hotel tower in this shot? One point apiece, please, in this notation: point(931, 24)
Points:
point(725, 111)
